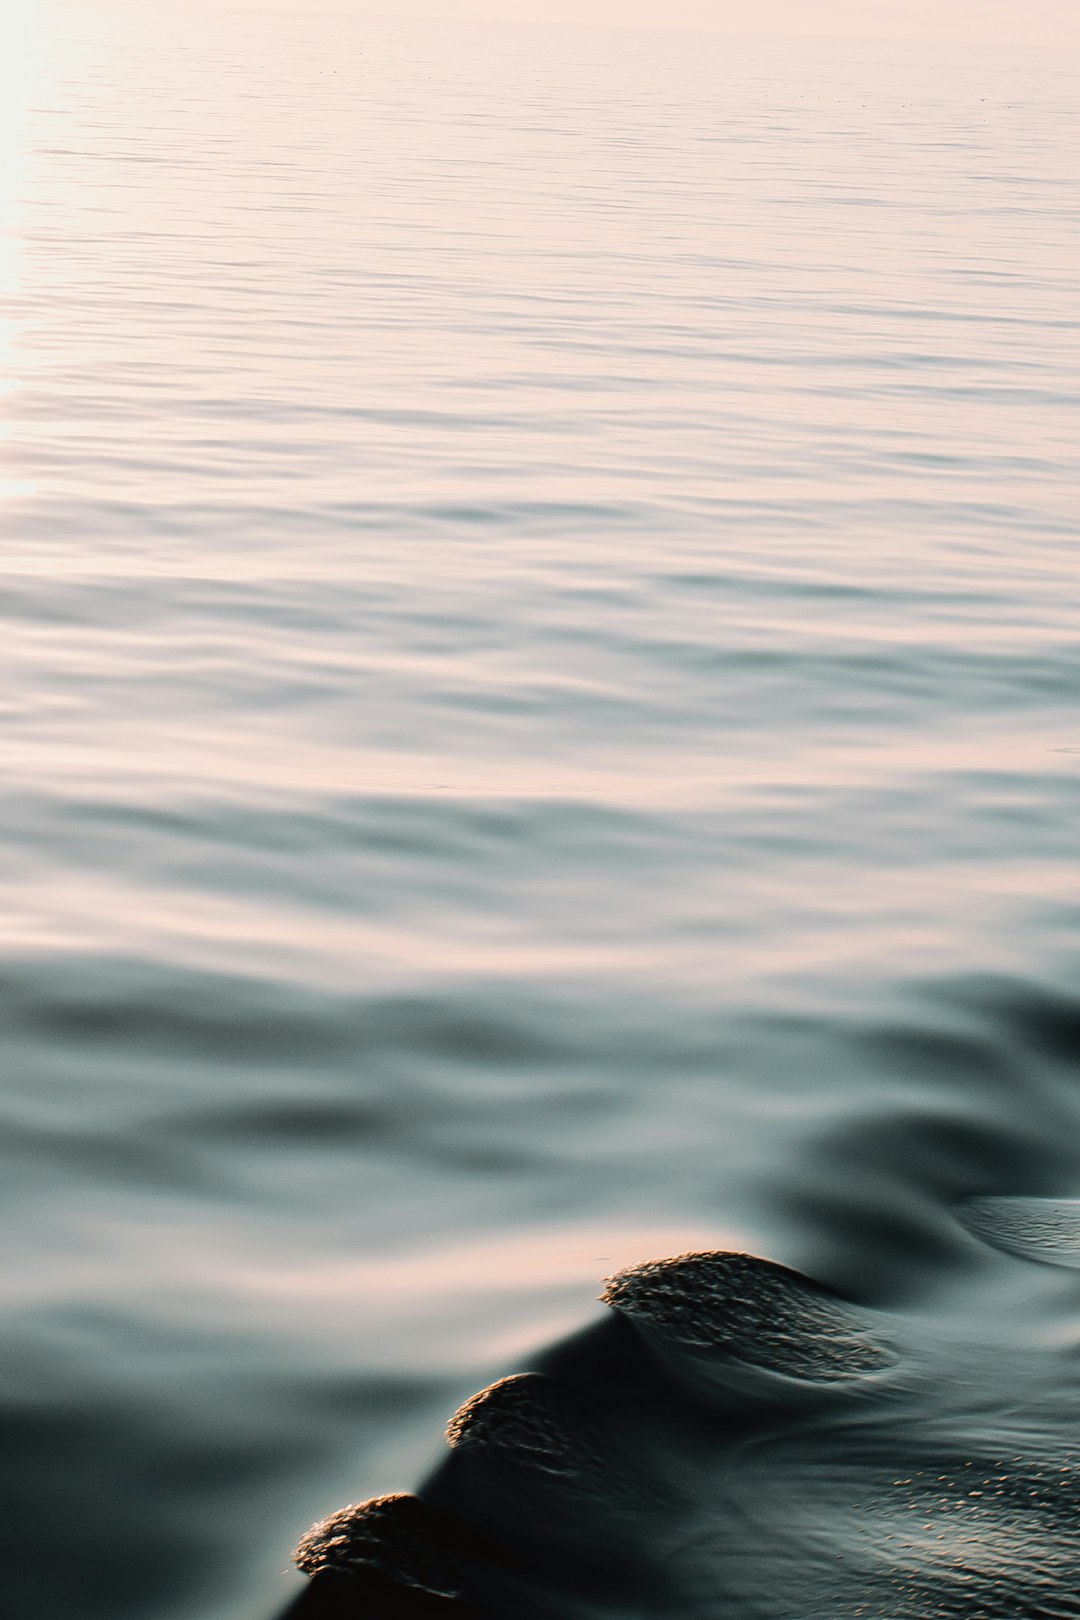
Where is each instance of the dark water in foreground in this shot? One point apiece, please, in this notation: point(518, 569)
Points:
point(541, 665)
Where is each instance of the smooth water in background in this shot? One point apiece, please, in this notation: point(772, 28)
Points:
point(541, 718)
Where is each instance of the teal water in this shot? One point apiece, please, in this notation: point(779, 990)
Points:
point(539, 622)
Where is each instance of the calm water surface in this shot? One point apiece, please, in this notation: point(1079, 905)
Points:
point(539, 628)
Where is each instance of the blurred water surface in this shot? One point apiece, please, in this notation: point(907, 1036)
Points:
point(539, 629)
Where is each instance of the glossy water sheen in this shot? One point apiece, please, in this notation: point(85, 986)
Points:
point(540, 709)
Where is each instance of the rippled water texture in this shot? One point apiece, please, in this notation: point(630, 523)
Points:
point(540, 706)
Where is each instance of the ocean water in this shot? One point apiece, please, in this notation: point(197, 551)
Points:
point(541, 714)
